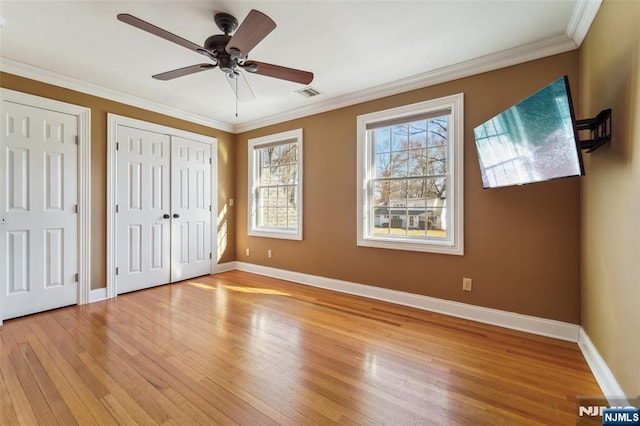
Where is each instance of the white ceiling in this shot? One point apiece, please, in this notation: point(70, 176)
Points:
point(357, 49)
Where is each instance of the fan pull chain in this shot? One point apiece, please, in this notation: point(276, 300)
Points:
point(237, 96)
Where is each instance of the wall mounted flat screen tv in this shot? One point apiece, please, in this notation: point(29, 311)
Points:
point(533, 141)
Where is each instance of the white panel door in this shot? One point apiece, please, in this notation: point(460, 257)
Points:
point(143, 209)
point(40, 261)
point(191, 208)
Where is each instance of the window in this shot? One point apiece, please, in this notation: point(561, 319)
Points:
point(410, 177)
point(275, 186)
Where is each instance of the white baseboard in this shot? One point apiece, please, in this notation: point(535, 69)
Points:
point(97, 294)
point(605, 378)
point(224, 267)
point(530, 324)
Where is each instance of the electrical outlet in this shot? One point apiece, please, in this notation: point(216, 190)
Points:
point(466, 284)
point(269, 254)
point(247, 252)
point(230, 202)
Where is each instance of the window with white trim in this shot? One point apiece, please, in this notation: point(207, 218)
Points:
point(275, 186)
point(410, 177)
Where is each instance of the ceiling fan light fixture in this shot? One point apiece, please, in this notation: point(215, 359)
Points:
point(251, 67)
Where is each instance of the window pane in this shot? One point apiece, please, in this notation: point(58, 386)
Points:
point(398, 193)
point(292, 217)
point(436, 188)
point(288, 174)
point(416, 192)
point(417, 161)
point(260, 216)
point(418, 134)
point(381, 193)
point(438, 131)
point(263, 197)
point(380, 220)
point(275, 154)
point(436, 207)
point(437, 160)
point(272, 221)
point(272, 197)
point(399, 137)
point(382, 139)
point(287, 154)
point(399, 162)
point(383, 165)
point(293, 154)
point(293, 197)
point(281, 221)
point(265, 174)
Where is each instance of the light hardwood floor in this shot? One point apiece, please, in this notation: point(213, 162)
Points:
point(241, 348)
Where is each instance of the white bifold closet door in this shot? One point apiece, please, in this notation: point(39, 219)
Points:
point(191, 209)
point(163, 219)
point(40, 264)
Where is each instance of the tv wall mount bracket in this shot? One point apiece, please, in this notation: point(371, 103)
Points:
point(599, 128)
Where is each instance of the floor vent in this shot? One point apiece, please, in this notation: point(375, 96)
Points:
point(308, 92)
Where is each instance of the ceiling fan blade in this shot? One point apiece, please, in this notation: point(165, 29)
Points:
point(157, 31)
point(180, 72)
point(255, 27)
point(241, 87)
point(277, 71)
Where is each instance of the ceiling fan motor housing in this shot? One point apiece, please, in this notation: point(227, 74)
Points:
point(217, 43)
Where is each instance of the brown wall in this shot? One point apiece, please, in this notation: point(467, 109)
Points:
point(99, 109)
point(610, 78)
point(521, 243)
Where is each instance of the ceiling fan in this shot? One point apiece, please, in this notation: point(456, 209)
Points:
point(227, 52)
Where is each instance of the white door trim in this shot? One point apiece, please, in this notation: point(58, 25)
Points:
point(113, 121)
point(84, 183)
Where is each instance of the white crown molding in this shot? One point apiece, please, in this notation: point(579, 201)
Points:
point(583, 15)
point(29, 71)
point(605, 378)
point(584, 12)
point(529, 324)
point(529, 52)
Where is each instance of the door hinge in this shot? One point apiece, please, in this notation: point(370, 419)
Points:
point(76, 209)
point(209, 160)
point(209, 207)
point(116, 208)
point(76, 277)
point(210, 256)
point(117, 146)
point(77, 140)
point(117, 270)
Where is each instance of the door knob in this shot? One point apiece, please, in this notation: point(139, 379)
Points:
point(166, 216)
point(176, 215)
